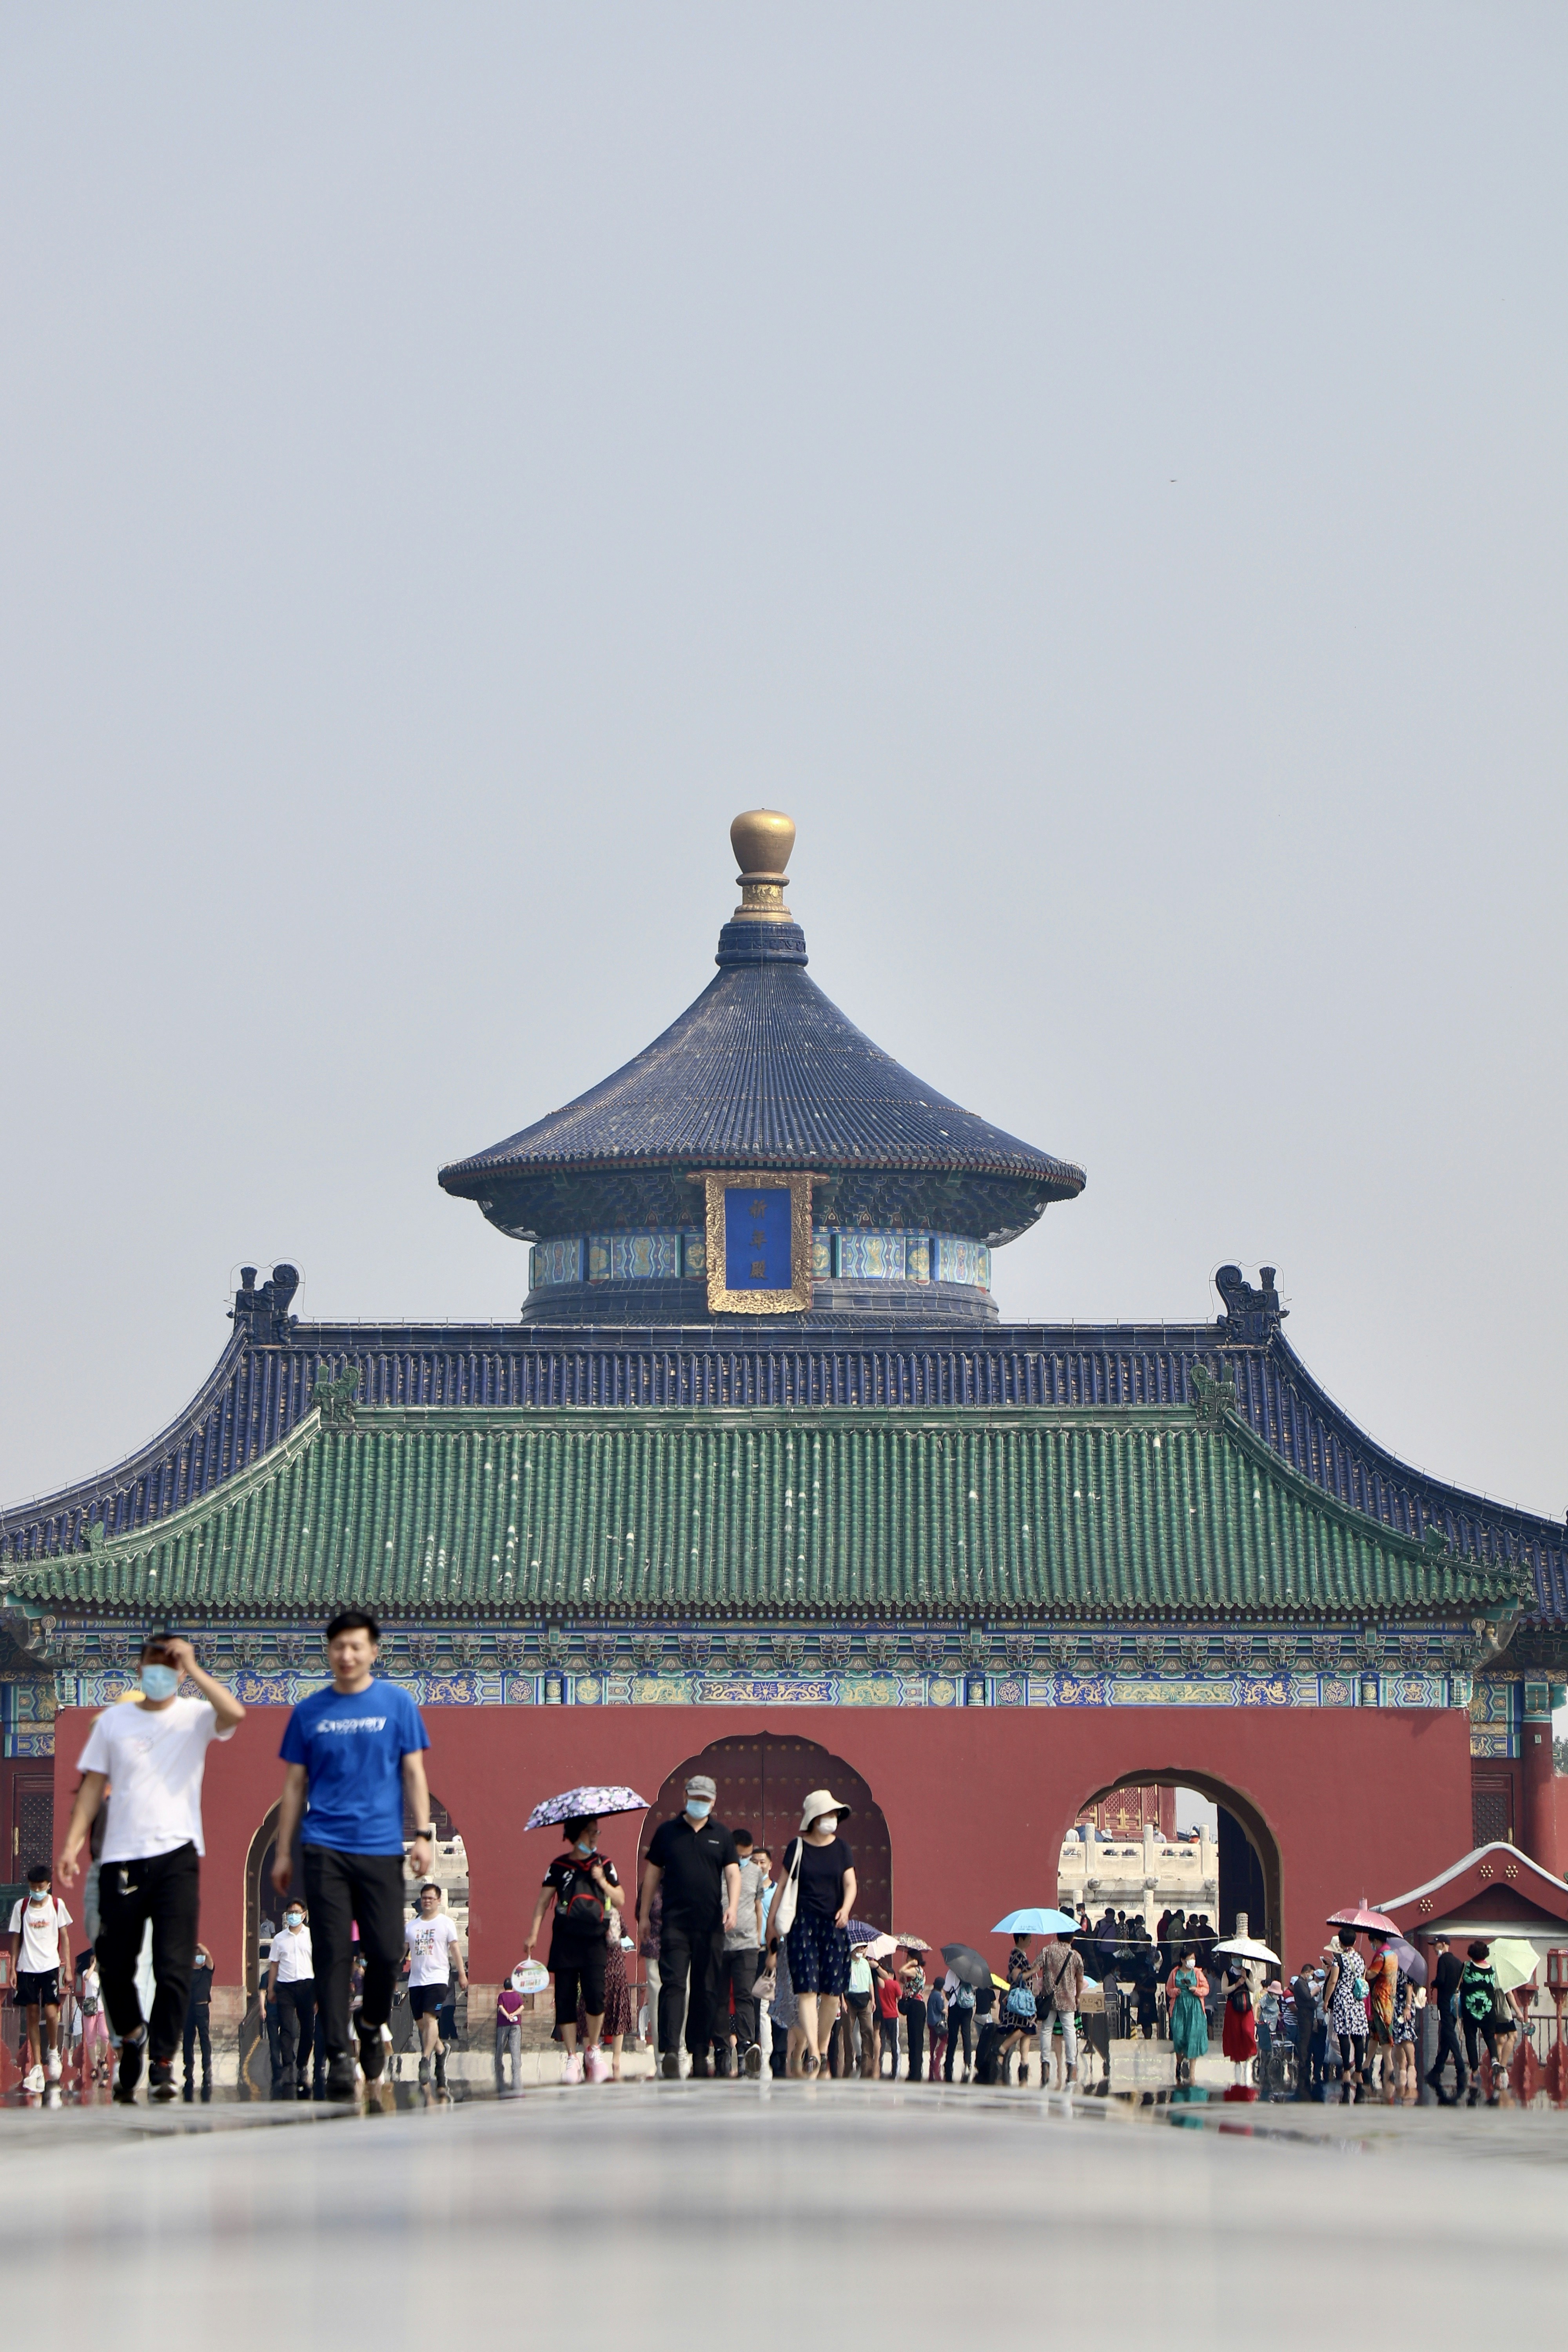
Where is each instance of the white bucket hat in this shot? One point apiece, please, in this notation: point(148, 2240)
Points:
point(821, 1800)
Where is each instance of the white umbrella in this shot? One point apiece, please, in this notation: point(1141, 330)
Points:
point(877, 1949)
point(1248, 1947)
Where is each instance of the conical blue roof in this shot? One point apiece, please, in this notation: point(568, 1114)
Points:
point(764, 1070)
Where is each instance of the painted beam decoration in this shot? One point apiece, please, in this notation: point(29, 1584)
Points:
point(759, 1243)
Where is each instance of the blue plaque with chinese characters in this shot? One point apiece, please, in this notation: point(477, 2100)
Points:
point(757, 1228)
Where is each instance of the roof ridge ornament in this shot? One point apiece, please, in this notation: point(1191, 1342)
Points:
point(1214, 1401)
point(1253, 1313)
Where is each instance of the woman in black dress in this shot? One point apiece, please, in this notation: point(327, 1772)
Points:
point(819, 1874)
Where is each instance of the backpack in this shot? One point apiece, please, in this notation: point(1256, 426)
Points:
point(580, 1907)
point(964, 1998)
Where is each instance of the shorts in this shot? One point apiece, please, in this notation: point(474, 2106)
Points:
point(426, 2000)
point(37, 1988)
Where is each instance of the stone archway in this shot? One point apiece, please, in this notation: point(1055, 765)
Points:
point(762, 1777)
point(1251, 1878)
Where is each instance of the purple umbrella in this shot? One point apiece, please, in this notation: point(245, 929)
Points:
point(1412, 1961)
point(585, 1804)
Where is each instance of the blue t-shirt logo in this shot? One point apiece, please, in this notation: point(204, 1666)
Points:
point(353, 1749)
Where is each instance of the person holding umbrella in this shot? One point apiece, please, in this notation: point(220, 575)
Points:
point(966, 1970)
point(588, 1898)
point(584, 1889)
point(1058, 1977)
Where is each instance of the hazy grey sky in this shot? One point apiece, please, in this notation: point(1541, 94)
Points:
point(1101, 469)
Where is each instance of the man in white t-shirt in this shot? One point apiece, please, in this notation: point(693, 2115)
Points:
point(40, 1954)
point(150, 1755)
point(433, 1951)
point(289, 1988)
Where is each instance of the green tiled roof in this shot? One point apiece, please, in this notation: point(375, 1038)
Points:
point(622, 1514)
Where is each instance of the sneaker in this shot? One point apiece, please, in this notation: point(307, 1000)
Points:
point(597, 2066)
point(423, 2068)
point(724, 2060)
point(33, 2080)
point(130, 2056)
point(52, 2066)
point(341, 2081)
point(574, 2073)
point(372, 2052)
point(702, 2065)
point(669, 2065)
point(753, 2060)
point(161, 2084)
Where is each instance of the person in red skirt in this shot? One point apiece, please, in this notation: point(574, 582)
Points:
point(1239, 2037)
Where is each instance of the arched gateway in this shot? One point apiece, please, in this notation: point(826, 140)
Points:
point(762, 1780)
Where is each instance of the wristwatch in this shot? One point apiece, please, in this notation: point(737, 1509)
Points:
point(429, 1834)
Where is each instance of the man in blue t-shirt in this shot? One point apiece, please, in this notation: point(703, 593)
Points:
point(354, 1758)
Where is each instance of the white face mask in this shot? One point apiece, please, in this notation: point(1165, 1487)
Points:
point(826, 1825)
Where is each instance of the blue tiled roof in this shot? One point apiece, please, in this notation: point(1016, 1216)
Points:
point(256, 1395)
point(763, 1071)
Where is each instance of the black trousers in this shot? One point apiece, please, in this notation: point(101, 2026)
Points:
point(1475, 2035)
point(737, 1972)
point(296, 2029)
point(340, 1889)
point(1449, 2047)
point(691, 1949)
point(198, 2021)
point(959, 2022)
point(166, 1889)
point(887, 2034)
point(913, 2013)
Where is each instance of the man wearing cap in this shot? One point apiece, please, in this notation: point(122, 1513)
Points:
point(693, 1863)
point(1444, 1998)
point(150, 1754)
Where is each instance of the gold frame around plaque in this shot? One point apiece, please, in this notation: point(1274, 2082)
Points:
point(797, 1298)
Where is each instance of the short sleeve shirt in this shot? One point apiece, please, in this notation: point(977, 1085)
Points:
point(153, 1758)
point(39, 1925)
point(693, 1859)
point(352, 1747)
point(430, 1944)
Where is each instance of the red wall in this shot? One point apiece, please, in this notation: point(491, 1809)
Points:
point(977, 1800)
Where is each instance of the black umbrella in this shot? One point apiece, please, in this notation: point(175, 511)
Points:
point(967, 1964)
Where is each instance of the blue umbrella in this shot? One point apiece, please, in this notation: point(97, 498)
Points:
point(1036, 1923)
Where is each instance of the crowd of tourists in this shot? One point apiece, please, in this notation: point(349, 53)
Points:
point(746, 1971)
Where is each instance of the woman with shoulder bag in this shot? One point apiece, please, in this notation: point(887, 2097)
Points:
point(811, 1917)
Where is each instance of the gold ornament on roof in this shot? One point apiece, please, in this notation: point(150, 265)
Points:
point(762, 840)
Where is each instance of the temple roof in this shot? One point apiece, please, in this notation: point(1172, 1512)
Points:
point(1137, 1514)
point(260, 1390)
point(763, 1071)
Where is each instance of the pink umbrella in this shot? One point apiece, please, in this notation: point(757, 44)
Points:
point(1375, 1922)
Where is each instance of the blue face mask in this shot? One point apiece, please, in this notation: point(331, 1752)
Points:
point(159, 1682)
point(700, 1807)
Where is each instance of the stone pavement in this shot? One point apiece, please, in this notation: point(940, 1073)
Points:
point(814, 2207)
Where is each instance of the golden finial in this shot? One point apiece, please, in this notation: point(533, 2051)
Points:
point(762, 840)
